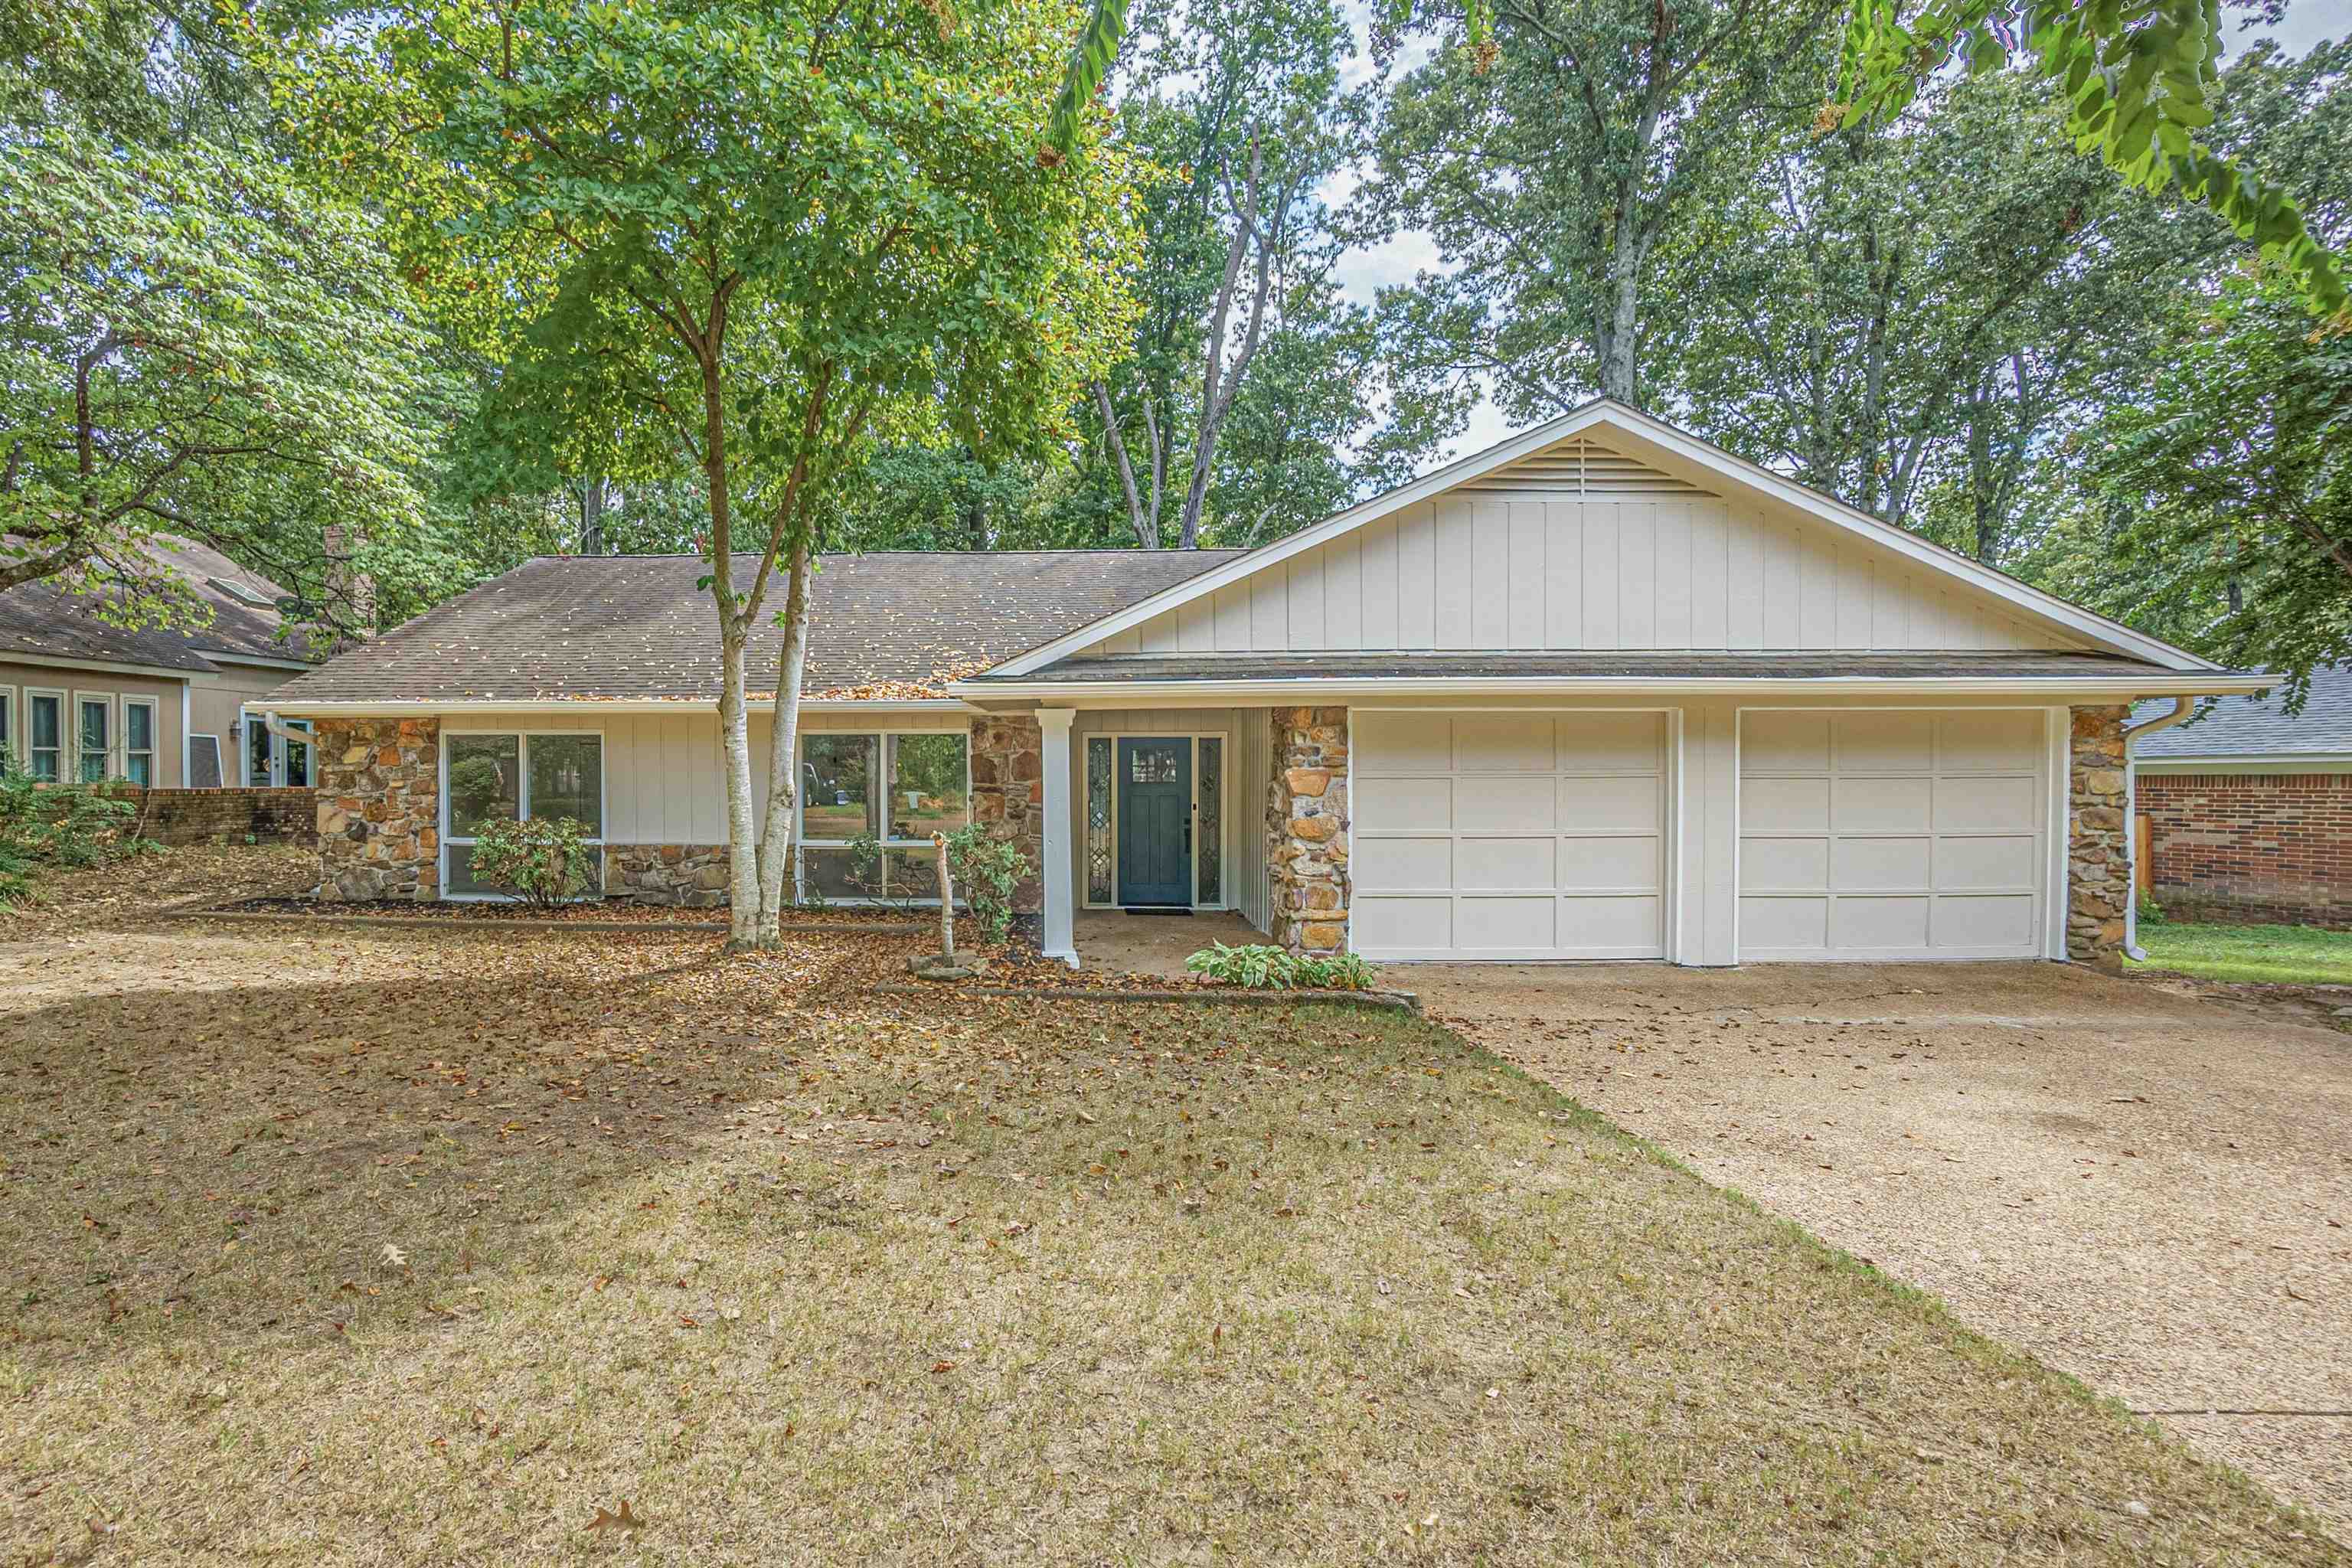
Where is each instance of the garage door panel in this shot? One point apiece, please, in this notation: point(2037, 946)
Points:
point(1626, 803)
point(1979, 865)
point(1407, 865)
point(1909, 834)
point(1401, 743)
point(1885, 742)
point(1785, 742)
point(1785, 865)
point(1784, 806)
point(1504, 802)
point(1997, 921)
point(1987, 804)
point(1608, 863)
point(1533, 834)
point(1611, 743)
point(1882, 865)
point(1382, 804)
point(1897, 925)
point(1386, 923)
point(1870, 805)
point(1623, 927)
point(1768, 927)
point(1503, 743)
point(1997, 741)
point(1505, 924)
point(1512, 864)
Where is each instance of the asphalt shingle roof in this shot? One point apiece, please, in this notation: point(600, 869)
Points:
point(44, 620)
point(2259, 726)
point(891, 625)
point(1693, 665)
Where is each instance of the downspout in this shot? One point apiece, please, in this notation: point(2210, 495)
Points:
point(187, 742)
point(2182, 708)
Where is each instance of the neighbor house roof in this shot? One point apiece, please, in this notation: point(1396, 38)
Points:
point(896, 625)
point(2259, 726)
point(46, 620)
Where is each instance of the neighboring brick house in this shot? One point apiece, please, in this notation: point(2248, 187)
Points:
point(1601, 691)
point(2248, 811)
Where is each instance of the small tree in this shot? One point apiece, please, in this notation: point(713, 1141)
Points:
point(762, 238)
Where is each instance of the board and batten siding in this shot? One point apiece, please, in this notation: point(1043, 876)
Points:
point(1520, 562)
point(664, 773)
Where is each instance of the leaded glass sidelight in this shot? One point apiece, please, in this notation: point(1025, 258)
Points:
point(1099, 868)
point(1210, 879)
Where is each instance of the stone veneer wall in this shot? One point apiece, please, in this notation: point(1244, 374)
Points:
point(691, 874)
point(379, 808)
point(2098, 850)
point(1008, 793)
point(1306, 829)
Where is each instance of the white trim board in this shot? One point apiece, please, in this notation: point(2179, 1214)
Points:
point(1680, 451)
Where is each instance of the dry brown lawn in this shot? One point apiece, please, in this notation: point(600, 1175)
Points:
point(385, 1247)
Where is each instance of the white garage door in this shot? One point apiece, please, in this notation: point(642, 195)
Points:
point(1892, 834)
point(1516, 835)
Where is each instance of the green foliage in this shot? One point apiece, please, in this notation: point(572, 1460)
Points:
point(1260, 967)
point(2139, 78)
point(987, 871)
point(2217, 503)
point(543, 861)
point(66, 825)
point(189, 342)
point(2150, 912)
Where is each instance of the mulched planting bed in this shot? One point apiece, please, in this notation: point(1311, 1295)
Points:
point(600, 912)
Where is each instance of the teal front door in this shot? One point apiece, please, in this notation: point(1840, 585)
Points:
point(1155, 821)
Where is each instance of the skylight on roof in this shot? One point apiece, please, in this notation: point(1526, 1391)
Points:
point(244, 592)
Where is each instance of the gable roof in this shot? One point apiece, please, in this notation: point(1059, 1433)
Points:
point(891, 626)
point(2259, 726)
point(46, 620)
point(1670, 452)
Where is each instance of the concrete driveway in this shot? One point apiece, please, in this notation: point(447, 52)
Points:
point(2144, 1188)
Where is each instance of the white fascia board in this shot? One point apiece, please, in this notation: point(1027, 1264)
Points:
point(2264, 762)
point(296, 708)
point(1524, 445)
point(1313, 693)
point(2112, 636)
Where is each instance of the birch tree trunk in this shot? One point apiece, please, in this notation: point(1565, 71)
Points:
point(783, 752)
point(735, 746)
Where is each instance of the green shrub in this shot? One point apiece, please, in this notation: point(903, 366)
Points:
point(544, 861)
point(63, 825)
point(987, 872)
point(1259, 967)
point(2151, 913)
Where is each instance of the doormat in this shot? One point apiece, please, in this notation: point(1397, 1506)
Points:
point(1160, 910)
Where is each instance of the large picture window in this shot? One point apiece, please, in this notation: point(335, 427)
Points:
point(513, 777)
point(895, 788)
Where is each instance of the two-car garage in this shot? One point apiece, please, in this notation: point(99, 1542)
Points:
point(1544, 835)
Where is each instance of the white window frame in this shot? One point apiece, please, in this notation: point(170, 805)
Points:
point(248, 722)
point(523, 800)
point(154, 750)
point(65, 746)
point(112, 704)
point(802, 841)
point(1224, 811)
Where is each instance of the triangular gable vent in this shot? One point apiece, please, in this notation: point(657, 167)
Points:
point(1579, 467)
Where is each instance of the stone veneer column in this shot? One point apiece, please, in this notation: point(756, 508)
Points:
point(2098, 845)
point(379, 808)
point(1306, 829)
point(1008, 793)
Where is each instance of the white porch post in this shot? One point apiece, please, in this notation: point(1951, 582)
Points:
point(1058, 879)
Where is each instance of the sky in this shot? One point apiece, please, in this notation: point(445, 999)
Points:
point(1362, 271)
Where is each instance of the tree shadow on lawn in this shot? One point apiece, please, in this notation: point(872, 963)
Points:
point(435, 1266)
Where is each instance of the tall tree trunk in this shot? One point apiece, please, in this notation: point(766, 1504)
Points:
point(783, 752)
point(735, 749)
point(591, 517)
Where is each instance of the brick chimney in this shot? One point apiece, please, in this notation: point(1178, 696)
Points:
point(350, 608)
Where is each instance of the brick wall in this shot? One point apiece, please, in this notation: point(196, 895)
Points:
point(2251, 847)
point(228, 815)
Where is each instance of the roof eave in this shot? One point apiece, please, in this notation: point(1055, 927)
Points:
point(434, 708)
point(2043, 688)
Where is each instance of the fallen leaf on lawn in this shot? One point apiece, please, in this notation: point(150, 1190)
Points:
point(623, 1520)
point(394, 1257)
point(938, 1367)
